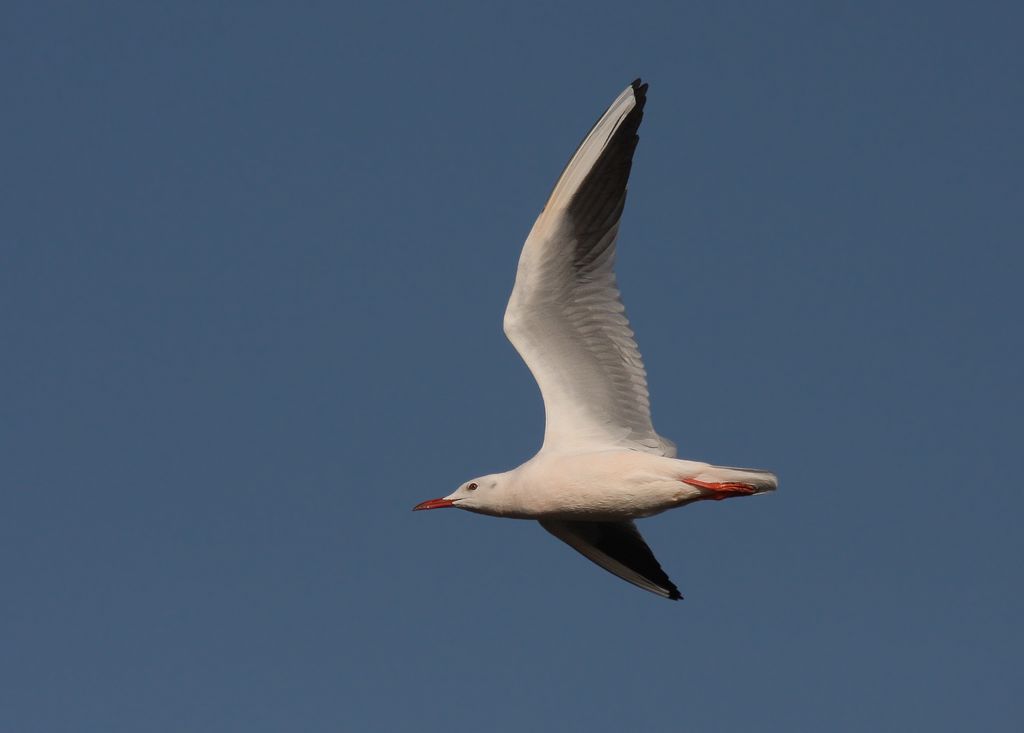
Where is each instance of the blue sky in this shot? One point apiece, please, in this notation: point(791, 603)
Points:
point(253, 261)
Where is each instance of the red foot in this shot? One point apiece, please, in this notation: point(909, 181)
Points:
point(723, 490)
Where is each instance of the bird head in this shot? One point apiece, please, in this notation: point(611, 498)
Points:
point(478, 495)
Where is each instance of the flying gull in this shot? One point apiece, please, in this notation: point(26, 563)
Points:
point(601, 465)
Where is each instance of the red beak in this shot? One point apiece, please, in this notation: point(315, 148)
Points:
point(433, 504)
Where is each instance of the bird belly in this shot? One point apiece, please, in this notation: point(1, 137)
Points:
point(603, 486)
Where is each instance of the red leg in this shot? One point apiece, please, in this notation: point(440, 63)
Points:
point(724, 490)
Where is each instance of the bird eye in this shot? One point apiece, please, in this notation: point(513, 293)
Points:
point(471, 487)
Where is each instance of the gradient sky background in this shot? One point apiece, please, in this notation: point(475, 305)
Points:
point(253, 263)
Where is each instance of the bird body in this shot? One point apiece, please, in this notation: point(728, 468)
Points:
point(602, 464)
point(609, 485)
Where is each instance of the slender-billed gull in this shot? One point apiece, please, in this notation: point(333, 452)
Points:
point(602, 465)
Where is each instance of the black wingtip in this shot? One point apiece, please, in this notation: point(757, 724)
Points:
point(639, 90)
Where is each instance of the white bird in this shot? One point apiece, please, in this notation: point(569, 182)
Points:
point(602, 465)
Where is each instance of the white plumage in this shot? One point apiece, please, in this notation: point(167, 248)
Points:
point(566, 317)
point(602, 463)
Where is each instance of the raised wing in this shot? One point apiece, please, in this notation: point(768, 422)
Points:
point(618, 548)
point(565, 316)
